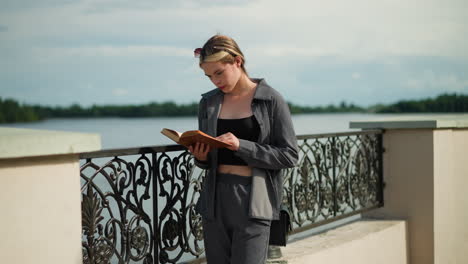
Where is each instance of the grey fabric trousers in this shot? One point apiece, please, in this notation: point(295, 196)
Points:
point(233, 237)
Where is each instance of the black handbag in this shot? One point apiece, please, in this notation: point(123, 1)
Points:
point(279, 229)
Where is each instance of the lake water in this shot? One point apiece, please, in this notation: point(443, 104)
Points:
point(137, 132)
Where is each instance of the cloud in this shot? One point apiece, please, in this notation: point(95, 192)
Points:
point(109, 6)
point(432, 81)
point(3, 28)
point(351, 31)
point(15, 5)
point(132, 51)
point(356, 76)
point(285, 41)
point(119, 92)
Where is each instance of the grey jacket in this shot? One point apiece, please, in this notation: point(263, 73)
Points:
point(276, 149)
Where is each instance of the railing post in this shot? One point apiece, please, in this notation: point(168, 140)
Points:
point(334, 152)
point(155, 208)
point(381, 184)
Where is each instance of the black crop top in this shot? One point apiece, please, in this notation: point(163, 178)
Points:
point(244, 128)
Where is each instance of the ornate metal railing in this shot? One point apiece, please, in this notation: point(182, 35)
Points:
point(141, 209)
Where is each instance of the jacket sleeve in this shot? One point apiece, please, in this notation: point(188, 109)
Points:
point(282, 152)
point(201, 114)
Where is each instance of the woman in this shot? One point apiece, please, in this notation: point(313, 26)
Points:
point(243, 189)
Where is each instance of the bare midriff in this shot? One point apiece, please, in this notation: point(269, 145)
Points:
point(235, 169)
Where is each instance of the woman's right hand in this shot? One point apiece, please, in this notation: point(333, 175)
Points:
point(200, 151)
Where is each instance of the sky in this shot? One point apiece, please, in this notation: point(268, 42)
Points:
point(61, 52)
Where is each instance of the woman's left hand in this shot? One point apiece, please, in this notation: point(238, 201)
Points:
point(230, 139)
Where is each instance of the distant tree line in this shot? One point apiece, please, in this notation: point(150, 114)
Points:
point(11, 111)
point(445, 103)
point(147, 110)
point(341, 108)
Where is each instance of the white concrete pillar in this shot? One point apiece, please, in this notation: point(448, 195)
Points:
point(40, 195)
point(426, 176)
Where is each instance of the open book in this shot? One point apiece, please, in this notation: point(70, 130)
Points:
point(193, 136)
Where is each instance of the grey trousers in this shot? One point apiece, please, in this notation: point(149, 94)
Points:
point(233, 237)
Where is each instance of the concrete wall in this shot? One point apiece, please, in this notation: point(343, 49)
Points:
point(409, 191)
point(41, 210)
point(426, 176)
point(450, 199)
point(362, 242)
point(460, 169)
point(40, 198)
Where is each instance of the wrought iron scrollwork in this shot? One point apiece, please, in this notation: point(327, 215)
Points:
point(179, 230)
point(336, 175)
point(117, 226)
point(141, 209)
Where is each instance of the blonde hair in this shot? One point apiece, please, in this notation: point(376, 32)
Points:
point(220, 48)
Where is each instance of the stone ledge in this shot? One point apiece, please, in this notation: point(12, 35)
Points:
point(364, 241)
point(22, 143)
point(414, 121)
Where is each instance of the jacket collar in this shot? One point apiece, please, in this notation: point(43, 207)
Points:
point(263, 91)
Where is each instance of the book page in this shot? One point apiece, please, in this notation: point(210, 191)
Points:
point(192, 137)
point(172, 134)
